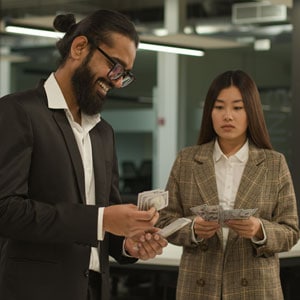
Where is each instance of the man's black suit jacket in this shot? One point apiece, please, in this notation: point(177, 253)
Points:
point(46, 230)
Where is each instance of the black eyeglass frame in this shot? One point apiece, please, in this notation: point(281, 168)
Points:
point(127, 76)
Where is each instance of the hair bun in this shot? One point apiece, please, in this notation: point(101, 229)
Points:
point(64, 22)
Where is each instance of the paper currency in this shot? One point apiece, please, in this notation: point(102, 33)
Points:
point(154, 198)
point(207, 212)
point(218, 214)
point(173, 227)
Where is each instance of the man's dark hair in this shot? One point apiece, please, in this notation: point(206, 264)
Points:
point(97, 27)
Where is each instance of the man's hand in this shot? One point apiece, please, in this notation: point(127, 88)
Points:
point(126, 220)
point(146, 246)
point(205, 229)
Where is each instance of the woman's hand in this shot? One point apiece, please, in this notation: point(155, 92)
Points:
point(205, 229)
point(248, 228)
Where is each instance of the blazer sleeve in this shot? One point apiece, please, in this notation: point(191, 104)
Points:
point(282, 229)
point(181, 167)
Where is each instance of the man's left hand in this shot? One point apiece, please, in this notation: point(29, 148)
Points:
point(146, 246)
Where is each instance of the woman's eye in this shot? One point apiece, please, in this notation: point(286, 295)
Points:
point(218, 107)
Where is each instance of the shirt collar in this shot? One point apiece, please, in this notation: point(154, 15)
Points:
point(241, 155)
point(55, 96)
point(56, 100)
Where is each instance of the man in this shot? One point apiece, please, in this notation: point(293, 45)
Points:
point(60, 210)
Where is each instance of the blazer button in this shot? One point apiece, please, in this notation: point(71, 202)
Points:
point(244, 282)
point(86, 273)
point(200, 282)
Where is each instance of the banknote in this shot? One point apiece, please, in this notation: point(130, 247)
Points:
point(207, 212)
point(218, 214)
point(173, 227)
point(154, 198)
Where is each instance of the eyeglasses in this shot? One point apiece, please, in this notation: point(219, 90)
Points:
point(117, 71)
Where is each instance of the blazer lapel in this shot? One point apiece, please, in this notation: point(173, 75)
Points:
point(254, 172)
point(248, 193)
point(204, 174)
point(68, 134)
point(99, 166)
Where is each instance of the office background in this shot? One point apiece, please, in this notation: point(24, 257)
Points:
point(161, 112)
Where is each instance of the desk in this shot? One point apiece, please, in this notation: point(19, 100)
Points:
point(156, 278)
point(171, 256)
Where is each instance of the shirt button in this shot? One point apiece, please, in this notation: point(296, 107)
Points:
point(244, 282)
point(200, 282)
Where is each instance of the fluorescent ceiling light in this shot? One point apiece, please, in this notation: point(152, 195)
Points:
point(160, 32)
point(33, 31)
point(188, 30)
point(170, 49)
point(143, 46)
point(262, 45)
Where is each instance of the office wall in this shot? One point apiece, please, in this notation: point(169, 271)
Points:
point(295, 144)
point(134, 118)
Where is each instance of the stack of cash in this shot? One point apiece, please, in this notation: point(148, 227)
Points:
point(160, 199)
point(154, 198)
point(217, 214)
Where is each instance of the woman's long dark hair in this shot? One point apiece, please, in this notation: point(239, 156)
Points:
point(257, 132)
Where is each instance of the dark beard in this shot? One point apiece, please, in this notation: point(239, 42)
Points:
point(83, 82)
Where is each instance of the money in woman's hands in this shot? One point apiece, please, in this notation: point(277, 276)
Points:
point(154, 198)
point(218, 214)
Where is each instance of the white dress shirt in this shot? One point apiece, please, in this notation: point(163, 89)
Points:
point(81, 131)
point(229, 172)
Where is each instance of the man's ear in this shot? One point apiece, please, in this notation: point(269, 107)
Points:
point(79, 46)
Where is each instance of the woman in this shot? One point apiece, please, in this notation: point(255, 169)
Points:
point(233, 166)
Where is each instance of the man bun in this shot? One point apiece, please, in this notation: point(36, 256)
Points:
point(64, 22)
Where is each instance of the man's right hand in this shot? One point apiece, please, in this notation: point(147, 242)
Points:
point(126, 220)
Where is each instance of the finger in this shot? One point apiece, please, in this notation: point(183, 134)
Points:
point(198, 220)
point(144, 215)
point(158, 243)
point(152, 211)
point(162, 241)
point(146, 251)
point(153, 244)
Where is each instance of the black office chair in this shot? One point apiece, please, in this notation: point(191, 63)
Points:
point(129, 175)
point(145, 175)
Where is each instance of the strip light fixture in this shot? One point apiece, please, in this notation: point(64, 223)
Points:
point(33, 31)
point(170, 49)
point(142, 45)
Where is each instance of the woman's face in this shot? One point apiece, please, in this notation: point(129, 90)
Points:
point(229, 116)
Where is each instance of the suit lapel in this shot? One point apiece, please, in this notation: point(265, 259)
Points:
point(67, 132)
point(99, 166)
